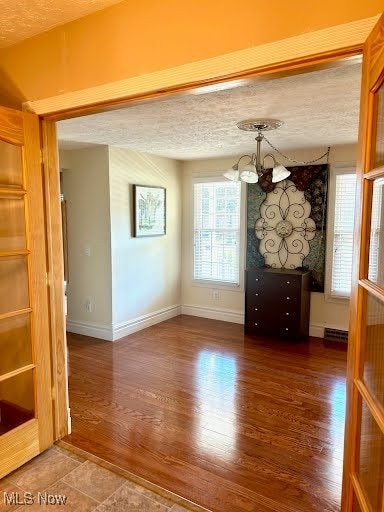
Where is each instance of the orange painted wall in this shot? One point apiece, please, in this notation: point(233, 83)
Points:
point(133, 38)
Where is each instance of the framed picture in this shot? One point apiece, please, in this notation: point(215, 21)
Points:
point(149, 210)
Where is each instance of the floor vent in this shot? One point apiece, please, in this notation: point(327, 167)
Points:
point(335, 335)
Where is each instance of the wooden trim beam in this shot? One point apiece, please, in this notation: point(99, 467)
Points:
point(56, 278)
point(194, 87)
point(315, 47)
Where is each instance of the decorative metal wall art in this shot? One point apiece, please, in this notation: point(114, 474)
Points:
point(285, 227)
point(286, 222)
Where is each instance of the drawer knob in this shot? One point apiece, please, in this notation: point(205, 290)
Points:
point(286, 329)
point(288, 298)
point(256, 309)
point(255, 323)
point(287, 314)
point(256, 294)
point(256, 279)
point(288, 282)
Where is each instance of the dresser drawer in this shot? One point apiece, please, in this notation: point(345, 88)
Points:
point(256, 317)
point(289, 316)
point(290, 287)
point(255, 298)
point(277, 303)
point(273, 305)
point(262, 319)
point(272, 289)
point(288, 332)
point(288, 302)
point(255, 310)
point(289, 320)
point(261, 326)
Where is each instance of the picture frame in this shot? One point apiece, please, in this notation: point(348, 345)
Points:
point(149, 211)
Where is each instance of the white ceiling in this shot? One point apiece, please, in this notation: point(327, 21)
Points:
point(320, 108)
point(21, 19)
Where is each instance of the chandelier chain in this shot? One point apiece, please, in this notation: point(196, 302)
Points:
point(326, 154)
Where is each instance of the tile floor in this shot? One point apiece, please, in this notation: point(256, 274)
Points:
point(86, 485)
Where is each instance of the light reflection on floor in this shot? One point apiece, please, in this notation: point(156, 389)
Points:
point(216, 379)
point(338, 401)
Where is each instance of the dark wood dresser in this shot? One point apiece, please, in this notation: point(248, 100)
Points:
point(277, 302)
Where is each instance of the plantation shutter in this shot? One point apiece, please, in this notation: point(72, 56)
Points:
point(376, 222)
point(343, 235)
point(217, 231)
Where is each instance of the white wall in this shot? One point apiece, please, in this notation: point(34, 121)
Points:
point(85, 188)
point(131, 282)
point(135, 282)
point(198, 299)
point(146, 272)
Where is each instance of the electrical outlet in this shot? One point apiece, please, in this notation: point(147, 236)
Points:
point(88, 306)
point(215, 295)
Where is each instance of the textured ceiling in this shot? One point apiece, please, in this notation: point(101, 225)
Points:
point(21, 19)
point(318, 109)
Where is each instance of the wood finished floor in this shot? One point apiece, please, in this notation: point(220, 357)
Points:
point(230, 422)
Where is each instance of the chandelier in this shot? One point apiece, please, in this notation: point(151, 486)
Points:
point(254, 168)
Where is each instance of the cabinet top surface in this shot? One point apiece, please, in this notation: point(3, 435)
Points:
point(284, 271)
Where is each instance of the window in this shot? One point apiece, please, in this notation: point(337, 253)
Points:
point(217, 232)
point(376, 240)
point(342, 214)
point(343, 228)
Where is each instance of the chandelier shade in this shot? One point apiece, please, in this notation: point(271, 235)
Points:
point(279, 173)
point(249, 176)
point(232, 174)
point(254, 169)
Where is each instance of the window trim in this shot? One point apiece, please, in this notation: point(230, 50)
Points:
point(335, 170)
point(219, 285)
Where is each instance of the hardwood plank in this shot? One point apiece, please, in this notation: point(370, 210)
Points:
point(231, 422)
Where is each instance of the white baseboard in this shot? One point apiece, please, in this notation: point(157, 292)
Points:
point(117, 331)
point(316, 330)
point(226, 315)
point(229, 315)
point(103, 332)
point(141, 322)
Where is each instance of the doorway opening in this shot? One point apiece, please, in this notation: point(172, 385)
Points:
point(175, 400)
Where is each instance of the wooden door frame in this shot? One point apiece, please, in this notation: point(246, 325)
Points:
point(53, 209)
point(357, 391)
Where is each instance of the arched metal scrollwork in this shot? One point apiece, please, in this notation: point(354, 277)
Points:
point(285, 227)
